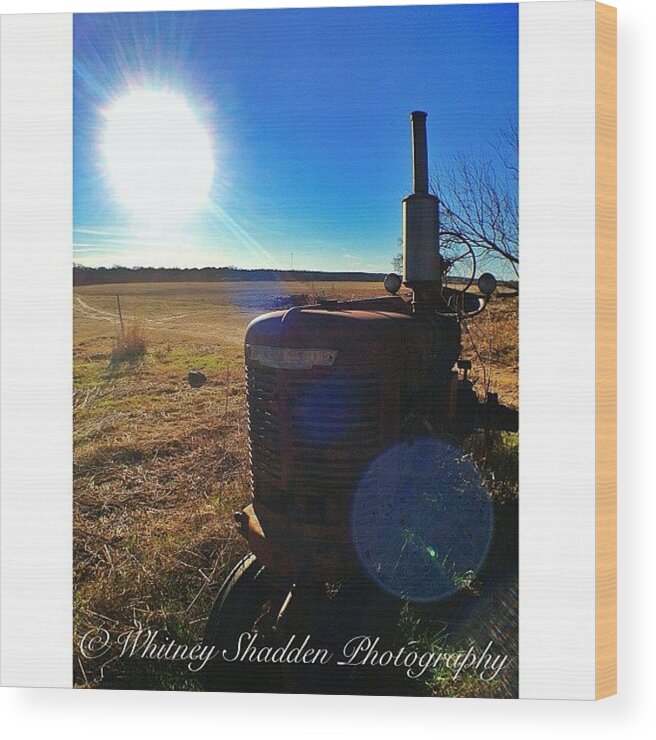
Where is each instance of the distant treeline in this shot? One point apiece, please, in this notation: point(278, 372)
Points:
point(94, 275)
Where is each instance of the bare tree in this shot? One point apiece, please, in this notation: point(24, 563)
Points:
point(478, 207)
point(397, 260)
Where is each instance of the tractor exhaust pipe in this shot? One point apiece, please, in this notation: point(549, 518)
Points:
point(421, 256)
point(419, 152)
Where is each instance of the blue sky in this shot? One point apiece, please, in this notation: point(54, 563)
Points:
point(308, 115)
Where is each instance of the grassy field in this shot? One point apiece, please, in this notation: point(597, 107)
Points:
point(159, 467)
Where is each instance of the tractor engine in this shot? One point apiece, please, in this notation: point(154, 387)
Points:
point(329, 389)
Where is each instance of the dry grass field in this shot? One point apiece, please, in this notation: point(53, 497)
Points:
point(159, 467)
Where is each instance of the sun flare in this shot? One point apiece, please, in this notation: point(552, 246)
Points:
point(158, 155)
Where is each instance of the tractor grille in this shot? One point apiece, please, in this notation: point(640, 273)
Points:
point(311, 436)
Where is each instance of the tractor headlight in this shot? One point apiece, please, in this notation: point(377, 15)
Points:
point(487, 283)
point(392, 283)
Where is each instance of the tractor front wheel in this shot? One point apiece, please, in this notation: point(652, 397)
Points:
point(243, 603)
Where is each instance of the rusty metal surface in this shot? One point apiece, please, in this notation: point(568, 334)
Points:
point(294, 549)
point(274, 556)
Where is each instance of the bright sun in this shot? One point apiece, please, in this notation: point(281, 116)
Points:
point(158, 155)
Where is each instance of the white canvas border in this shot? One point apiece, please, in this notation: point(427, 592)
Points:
point(36, 372)
point(557, 350)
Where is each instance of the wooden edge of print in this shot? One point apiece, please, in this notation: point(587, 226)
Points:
point(606, 351)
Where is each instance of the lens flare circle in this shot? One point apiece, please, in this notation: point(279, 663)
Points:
point(422, 520)
point(158, 155)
